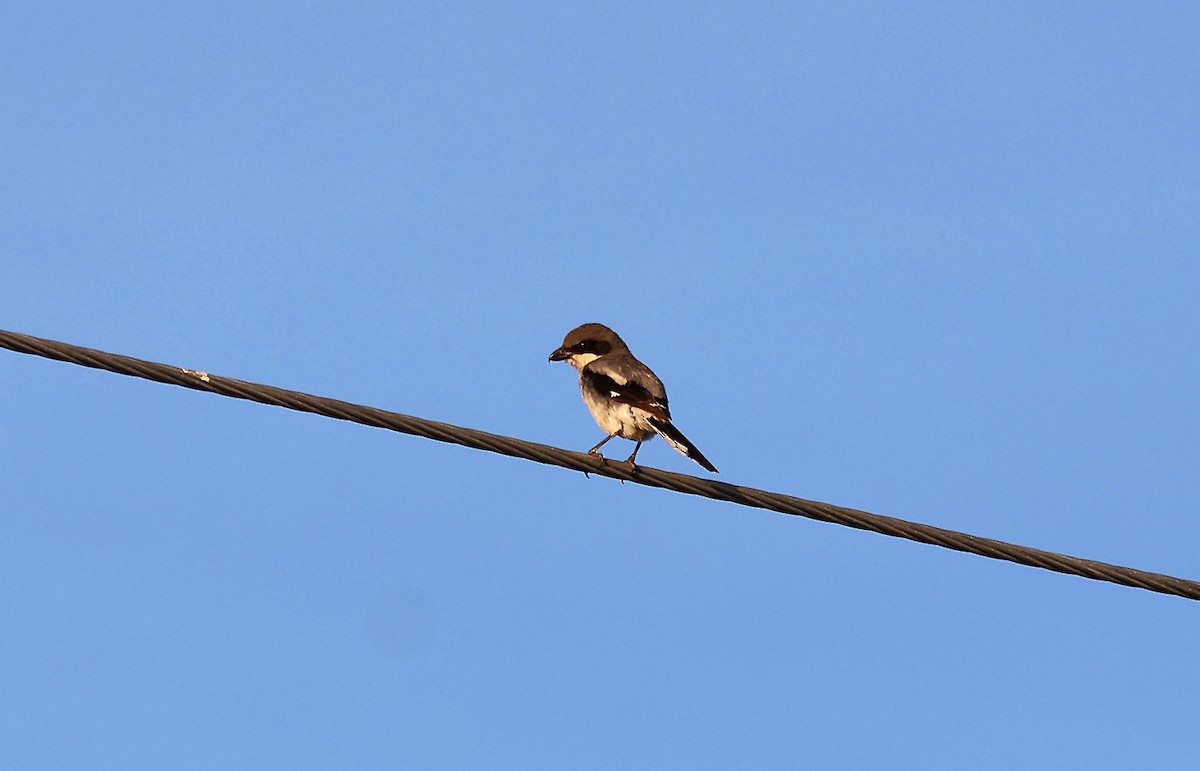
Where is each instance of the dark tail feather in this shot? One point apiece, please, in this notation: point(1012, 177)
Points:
point(674, 437)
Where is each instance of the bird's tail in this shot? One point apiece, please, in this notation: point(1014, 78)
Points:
point(674, 437)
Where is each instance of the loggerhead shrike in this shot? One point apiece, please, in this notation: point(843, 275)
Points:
point(623, 395)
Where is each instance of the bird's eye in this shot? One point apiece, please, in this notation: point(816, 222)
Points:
point(581, 347)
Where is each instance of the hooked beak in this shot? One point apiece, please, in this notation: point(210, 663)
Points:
point(559, 355)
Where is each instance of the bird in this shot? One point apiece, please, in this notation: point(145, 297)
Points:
point(623, 395)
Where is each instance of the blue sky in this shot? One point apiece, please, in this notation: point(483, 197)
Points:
point(936, 261)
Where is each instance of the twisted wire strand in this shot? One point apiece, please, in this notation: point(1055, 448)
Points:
point(576, 461)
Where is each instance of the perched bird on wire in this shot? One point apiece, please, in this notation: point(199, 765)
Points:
point(624, 396)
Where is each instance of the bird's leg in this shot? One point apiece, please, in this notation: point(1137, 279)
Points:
point(633, 455)
point(595, 450)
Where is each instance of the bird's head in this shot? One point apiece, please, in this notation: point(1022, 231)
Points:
point(586, 343)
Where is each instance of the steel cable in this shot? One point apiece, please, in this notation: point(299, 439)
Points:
point(576, 461)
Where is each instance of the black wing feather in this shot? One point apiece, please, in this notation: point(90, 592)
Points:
point(628, 393)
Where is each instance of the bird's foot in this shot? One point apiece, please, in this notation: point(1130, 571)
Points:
point(595, 454)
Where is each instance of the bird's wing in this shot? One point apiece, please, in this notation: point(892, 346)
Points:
point(629, 382)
